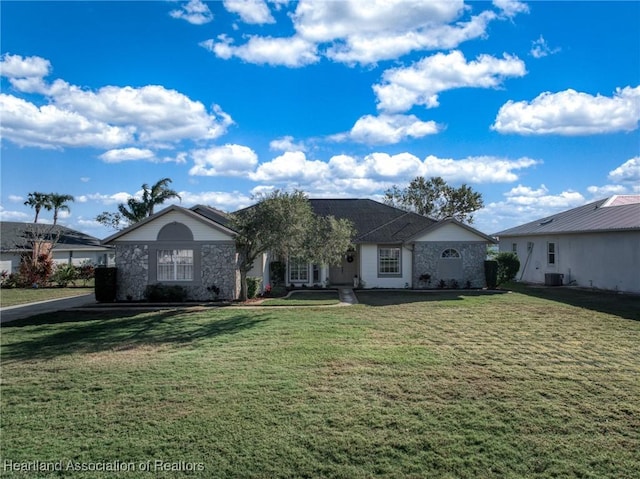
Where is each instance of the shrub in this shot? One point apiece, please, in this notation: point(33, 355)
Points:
point(253, 284)
point(165, 293)
point(277, 270)
point(65, 274)
point(86, 272)
point(508, 266)
point(105, 285)
point(35, 272)
point(491, 273)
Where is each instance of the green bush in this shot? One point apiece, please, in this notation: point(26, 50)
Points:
point(508, 266)
point(65, 274)
point(491, 273)
point(277, 270)
point(253, 284)
point(165, 293)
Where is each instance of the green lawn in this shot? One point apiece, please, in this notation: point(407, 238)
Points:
point(15, 296)
point(537, 383)
point(305, 298)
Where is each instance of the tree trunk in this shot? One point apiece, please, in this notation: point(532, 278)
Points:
point(243, 285)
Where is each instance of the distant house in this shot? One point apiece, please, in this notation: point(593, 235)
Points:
point(393, 248)
point(69, 246)
point(596, 245)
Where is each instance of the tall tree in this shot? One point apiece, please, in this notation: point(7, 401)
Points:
point(37, 201)
point(135, 210)
point(58, 203)
point(157, 194)
point(284, 224)
point(435, 198)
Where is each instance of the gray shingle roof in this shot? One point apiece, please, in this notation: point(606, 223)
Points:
point(14, 236)
point(213, 214)
point(593, 217)
point(374, 222)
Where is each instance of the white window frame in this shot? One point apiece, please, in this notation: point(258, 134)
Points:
point(389, 261)
point(450, 253)
point(298, 271)
point(175, 265)
point(552, 253)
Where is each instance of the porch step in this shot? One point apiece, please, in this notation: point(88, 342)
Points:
point(347, 296)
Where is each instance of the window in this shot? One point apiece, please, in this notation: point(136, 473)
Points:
point(389, 261)
point(298, 270)
point(175, 265)
point(316, 273)
point(514, 248)
point(450, 254)
point(551, 253)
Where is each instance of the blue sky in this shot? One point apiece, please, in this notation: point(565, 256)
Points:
point(535, 105)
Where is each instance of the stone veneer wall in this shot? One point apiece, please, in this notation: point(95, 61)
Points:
point(427, 254)
point(132, 261)
point(217, 266)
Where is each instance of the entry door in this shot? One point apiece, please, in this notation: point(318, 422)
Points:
point(344, 273)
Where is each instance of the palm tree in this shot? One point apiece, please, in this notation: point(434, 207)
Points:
point(58, 203)
point(37, 201)
point(157, 194)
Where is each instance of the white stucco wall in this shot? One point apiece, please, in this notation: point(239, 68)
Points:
point(600, 260)
point(201, 231)
point(450, 232)
point(369, 269)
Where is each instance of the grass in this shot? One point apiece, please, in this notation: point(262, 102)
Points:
point(15, 296)
point(450, 385)
point(305, 298)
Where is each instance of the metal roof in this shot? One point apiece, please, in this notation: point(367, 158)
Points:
point(609, 214)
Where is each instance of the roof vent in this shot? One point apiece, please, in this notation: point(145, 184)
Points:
point(546, 222)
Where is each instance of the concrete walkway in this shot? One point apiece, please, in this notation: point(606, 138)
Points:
point(11, 313)
point(347, 296)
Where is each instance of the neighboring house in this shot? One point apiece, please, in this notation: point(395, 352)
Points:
point(70, 246)
point(195, 248)
point(596, 245)
point(192, 248)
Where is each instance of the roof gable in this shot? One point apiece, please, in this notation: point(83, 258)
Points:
point(450, 229)
point(599, 216)
point(133, 231)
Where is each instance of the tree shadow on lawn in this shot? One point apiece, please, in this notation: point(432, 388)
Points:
point(625, 306)
point(372, 297)
point(90, 332)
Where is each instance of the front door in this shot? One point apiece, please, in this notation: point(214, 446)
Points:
point(344, 273)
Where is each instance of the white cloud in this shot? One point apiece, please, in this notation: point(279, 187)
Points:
point(510, 8)
point(195, 12)
point(477, 169)
point(6, 215)
point(85, 179)
point(351, 32)
point(16, 199)
point(127, 154)
point(389, 129)
point(16, 66)
point(540, 48)
point(227, 160)
point(250, 11)
point(222, 200)
point(286, 143)
point(420, 84)
point(628, 172)
point(523, 204)
point(110, 117)
point(571, 113)
point(290, 166)
point(291, 52)
point(51, 127)
point(120, 197)
point(607, 190)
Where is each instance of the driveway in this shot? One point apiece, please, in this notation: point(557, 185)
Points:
point(11, 313)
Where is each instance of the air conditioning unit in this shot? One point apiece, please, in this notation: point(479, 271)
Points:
point(553, 279)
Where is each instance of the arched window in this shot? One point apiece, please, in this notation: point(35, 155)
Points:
point(175, 232)
point(450, 253)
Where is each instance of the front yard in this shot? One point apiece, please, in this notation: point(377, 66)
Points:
point(537, 383)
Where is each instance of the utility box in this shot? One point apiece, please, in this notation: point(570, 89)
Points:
point(553, 279)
